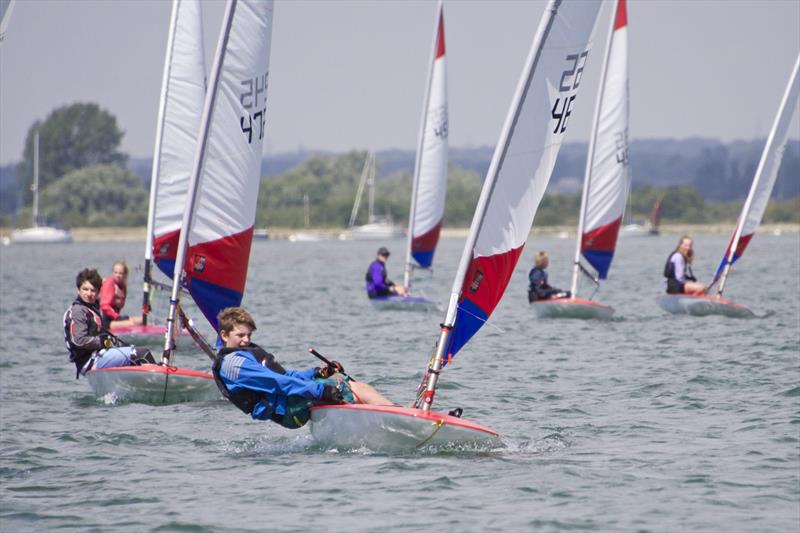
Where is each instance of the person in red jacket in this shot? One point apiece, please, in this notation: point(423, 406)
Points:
point(112, 298)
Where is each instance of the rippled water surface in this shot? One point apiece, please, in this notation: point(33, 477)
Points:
point(649, 422)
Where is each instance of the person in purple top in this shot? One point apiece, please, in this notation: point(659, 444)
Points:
point(377, 283)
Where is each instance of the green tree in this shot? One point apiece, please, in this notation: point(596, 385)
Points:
point(100, 195)
point(71, 137)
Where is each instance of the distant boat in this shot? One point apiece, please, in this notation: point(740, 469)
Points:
point(376, 228)
point(749, 219)
point(307, 236)
point(37, 234)
point(606, 181)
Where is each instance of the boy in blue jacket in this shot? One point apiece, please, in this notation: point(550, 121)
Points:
point(257, 384)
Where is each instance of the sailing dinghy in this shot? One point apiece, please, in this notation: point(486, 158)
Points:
point(521, 166)
point(430, 178)
point(183, 90)
point(215, 239)
point(606, 183)
point(749, 219)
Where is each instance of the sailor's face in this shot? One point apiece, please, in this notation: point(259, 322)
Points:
point(87, 292)
point(238, 337)
point(685, 246)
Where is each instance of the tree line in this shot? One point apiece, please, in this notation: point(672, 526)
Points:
point(83, 181)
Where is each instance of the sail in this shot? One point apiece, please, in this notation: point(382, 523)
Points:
point(522, 163)
point(655, 213)
point(6, 7)
point(217, 228)
point(608, 177)
point(766, 173)
point(430, 177)
point(180, 110)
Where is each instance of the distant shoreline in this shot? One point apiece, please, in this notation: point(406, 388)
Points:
point(138, 234)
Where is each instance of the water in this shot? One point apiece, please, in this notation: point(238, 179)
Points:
point(648, 423)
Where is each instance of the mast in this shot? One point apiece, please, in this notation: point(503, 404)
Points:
point(192, 193)
point(418, 161)
point(782, 120)
point(590, 158)
point(151, 210)
point(35, 186)
point(360, 190)
point(306, 211)
point(483, 201)
point(371, 190)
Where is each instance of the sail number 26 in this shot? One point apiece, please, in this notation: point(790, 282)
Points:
point(253, 98)
point(570, 80)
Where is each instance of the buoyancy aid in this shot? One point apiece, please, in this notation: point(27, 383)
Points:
point(669, 269)
point(81, 356)
point(246, 399)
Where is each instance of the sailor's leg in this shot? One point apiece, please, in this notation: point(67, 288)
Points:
point(365, 393)
point(113, 357)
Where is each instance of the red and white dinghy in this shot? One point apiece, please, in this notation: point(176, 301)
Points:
point(392, 428)
point(152, 384)
point(702, 305)
point(572, 308)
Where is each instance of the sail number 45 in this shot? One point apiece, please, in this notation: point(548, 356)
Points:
point(254, 100)
point(570, 80)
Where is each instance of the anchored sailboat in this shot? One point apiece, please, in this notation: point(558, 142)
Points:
point(749, 219)
point(183, 90)
point(429, 187)
point(521, 166)
point(37, 234)
point(217, 225)
point(606, 183)
point(376, 228)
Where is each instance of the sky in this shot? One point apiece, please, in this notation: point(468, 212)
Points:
point(350, 74)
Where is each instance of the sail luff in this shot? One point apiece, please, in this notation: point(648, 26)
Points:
point(437, 37)
point(360, 191)
point(764, 179)
point(587, 179)
point(192, 193)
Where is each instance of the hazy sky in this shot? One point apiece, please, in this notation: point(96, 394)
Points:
point(350, 74)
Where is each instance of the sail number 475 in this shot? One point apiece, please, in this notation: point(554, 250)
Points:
point(570, 80)
point(254, 99)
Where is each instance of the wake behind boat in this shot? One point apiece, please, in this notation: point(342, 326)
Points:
point(520, 169)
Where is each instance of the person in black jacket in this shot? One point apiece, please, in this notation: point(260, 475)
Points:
point(539, 289)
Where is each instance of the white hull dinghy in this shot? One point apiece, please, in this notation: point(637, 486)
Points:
point(702, 305)
point(572, 308)
point(153, 384)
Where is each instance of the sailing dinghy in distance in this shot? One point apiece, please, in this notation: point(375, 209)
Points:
point(180, 108)
point(429, 187)
point(520, 169)
point(749, 219)
point(215, 239)
point(606, 183)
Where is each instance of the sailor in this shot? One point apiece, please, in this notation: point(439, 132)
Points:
point(377, 284)
point(257, 384)
point(88, 345)
point(678, 270)
point(539, 289)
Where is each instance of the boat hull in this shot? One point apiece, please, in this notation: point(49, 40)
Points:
point(403, 303)
point(392, 428)
point(572, 308)
point(372, 232)
point(702, 305)
point(152, 384)
point(41, 235)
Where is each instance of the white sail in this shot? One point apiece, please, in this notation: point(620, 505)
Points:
point(764, 180)
point(183, 90)
point(521, 166)
point(430, 171)
point(606, 180)
point(6, 7)
point(217, 228)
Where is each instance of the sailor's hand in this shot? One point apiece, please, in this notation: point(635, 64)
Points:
point(332, 395)
point(330, 370)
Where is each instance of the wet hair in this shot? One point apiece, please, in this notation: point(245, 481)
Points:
point(229, 317)
point(689, 256)
point(124, 266)
point(541, 258)
point(90, 275)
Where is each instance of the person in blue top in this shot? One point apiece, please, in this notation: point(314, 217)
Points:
point(258, 385)
point(539, 289)
point(377, 283)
